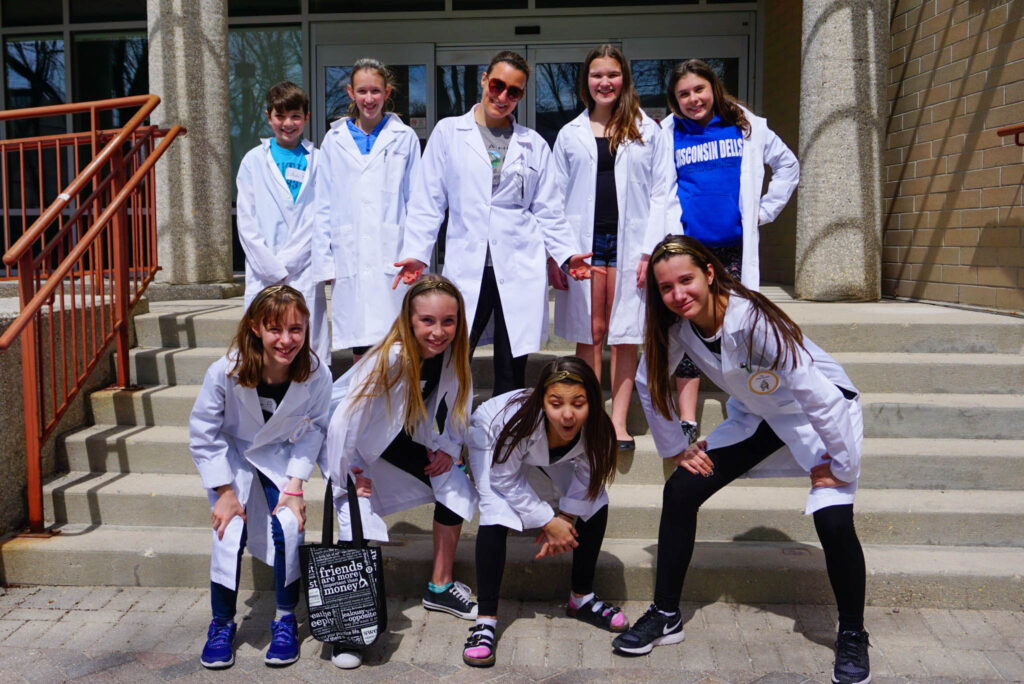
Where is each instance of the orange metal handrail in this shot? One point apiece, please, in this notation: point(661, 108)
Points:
point(1016, 131)
point(83, 263)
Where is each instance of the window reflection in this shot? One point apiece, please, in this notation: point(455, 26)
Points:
point(118, 68)
point(458, 88)
point(557, 100)
point(34, 75)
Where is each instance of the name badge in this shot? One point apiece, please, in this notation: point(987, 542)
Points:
point(268, 404)
point(301, 429)
point(763, 382)
point(294, 174)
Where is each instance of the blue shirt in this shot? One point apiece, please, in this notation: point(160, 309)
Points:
point(364, 141)
point(297, 160)
point(708, 161)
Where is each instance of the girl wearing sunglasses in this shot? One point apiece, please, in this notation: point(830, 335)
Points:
point(504, 219)
point(614, 170)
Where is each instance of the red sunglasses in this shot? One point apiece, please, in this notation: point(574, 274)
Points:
point(495, 87)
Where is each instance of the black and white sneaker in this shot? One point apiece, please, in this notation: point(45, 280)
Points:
point(455, 600)
point(852, 665)
point(654, 628)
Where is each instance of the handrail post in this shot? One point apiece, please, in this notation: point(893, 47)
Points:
point(33, 406)
point(121, 255)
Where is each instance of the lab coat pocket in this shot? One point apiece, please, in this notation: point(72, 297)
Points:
point(394, 169)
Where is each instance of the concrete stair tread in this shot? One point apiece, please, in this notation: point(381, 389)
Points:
point(754, 572)
point(981, 401)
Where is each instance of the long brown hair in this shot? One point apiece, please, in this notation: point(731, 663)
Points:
point(270, 306)
point(384, 377)
point(779, 331)
point(622, 126)
point(726, 106)
point(600, 448)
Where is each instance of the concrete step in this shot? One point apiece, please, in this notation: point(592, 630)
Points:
point(888, 462)
point(737, 512)
point(883, 326)
point(870, 371)
point(949, 416)
point(748, 572)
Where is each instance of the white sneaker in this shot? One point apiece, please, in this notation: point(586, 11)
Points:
point(346, 658)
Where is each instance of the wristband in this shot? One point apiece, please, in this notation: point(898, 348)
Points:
point(299, 493)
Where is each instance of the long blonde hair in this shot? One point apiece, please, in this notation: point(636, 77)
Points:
point(268, 307)
point(383, 378)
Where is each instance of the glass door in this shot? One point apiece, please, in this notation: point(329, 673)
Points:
point(652, 60)
point(458, 74)
point(412, 65)
point(556, 99)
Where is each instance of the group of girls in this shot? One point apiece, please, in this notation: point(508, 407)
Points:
point(402, 414)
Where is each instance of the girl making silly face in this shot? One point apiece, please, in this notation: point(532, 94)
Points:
point(369, 91)
point(565, 411)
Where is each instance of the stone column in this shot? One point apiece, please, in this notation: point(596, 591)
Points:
point(188, 69)
point(842, 123)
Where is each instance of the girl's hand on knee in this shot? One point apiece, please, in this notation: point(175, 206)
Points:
point(695, 460)
point(440, 463)
point(225, 509)
point(821, 476)
point(364, 485)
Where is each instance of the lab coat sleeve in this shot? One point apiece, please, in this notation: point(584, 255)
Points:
point(206, 441)
point(508, 480)
point(429, 198)
point(663, 193)
point(668, 437)
point(323, 255)
point(785, 177)
point(306, 449)
point(258, 254)
point(548, 209)
point(673, 210)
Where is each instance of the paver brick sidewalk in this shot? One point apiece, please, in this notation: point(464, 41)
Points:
point(110, 634)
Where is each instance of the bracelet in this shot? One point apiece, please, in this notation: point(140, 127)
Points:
point(299, 493)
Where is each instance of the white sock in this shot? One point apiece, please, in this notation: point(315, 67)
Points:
point(577, 602)
point(281, 612)
point(490, 622)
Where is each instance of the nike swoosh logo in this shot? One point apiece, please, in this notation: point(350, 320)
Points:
point(666, 629)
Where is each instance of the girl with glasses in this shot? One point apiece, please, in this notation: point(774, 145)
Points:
point(504, 219)
point(615, 173)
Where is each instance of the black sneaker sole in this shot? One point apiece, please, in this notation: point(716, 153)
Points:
point(863, 681)
point(430, 605)
point(666, 640)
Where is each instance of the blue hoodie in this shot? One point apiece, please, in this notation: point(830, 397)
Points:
point(708, 161)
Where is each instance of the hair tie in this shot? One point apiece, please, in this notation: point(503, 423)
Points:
point(563, 376)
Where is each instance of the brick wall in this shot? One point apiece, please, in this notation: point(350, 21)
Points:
point(954, 210)
point(781, 98)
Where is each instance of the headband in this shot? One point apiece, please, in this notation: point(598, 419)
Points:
point(670, 247)
point(563, 376)
point(421, 286)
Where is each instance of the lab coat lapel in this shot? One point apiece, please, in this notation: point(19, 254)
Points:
point(311, 161)
point(537, 447)
point(519, 147)
point(348, 144)
point(278, 188)
point(384, 139)
point(467, 128)
point(580, 127)
point(247, 398)
point(277, 428)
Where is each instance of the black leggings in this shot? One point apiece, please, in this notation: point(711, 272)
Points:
point(509, 371)
point(490, 559)
point(410, 456)
point(685, 492)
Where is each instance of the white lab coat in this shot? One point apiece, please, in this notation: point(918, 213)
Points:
point(276, 234)
point(506, 497)
point(644, 177)
point(360, 209)
point(361, 429)
point(519, 222)
point(762, 147)
point(803, 405)
point(229, 440)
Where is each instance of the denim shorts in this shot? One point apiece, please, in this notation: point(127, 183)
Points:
point(606, 247)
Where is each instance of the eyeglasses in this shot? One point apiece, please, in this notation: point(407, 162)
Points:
point(495, 87)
